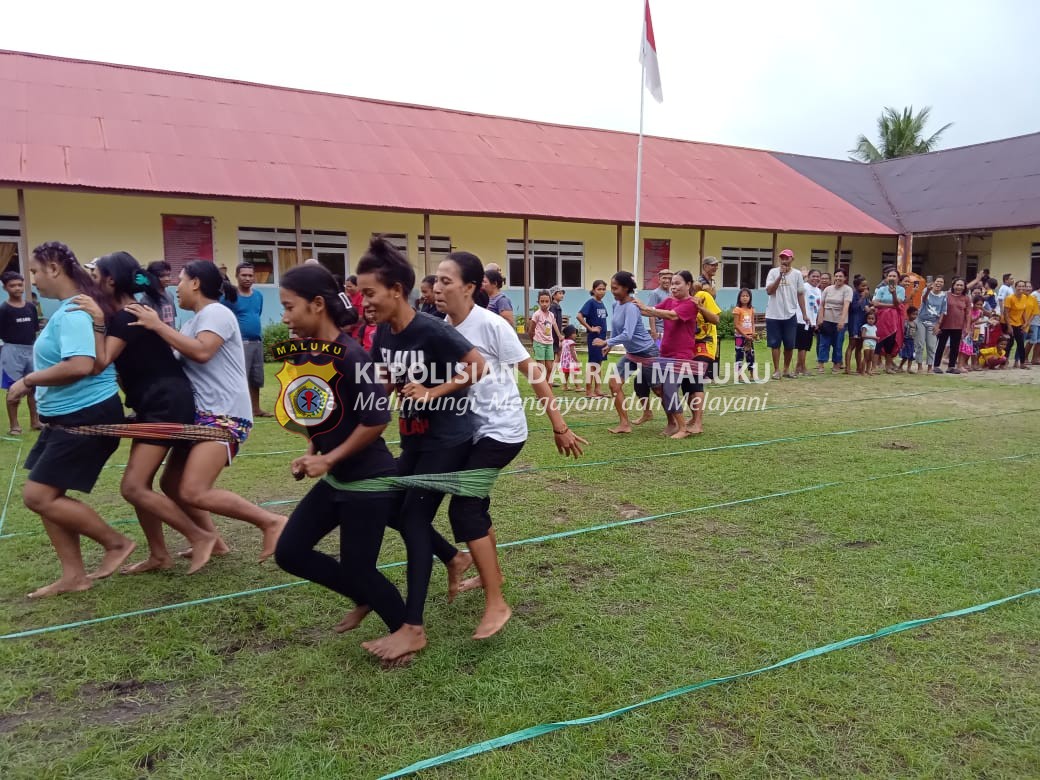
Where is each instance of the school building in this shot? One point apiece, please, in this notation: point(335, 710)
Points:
point(176, 166)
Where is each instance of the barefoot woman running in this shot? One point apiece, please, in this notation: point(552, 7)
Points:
point(158, 391)
point(629, 332)
point(210, 347)
point(348, 446)
point(431, 366)
point(69, 394)
point(501, 426)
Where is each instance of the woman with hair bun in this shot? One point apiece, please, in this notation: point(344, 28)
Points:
point(630, 333)
point(69, 393)
point(431, 366)
point(210, 349)
point(158, 391)
point(348, 446)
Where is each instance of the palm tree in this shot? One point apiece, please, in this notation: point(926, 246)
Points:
point(899, 136)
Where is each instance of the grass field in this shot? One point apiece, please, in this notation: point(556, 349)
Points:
point(259, 686)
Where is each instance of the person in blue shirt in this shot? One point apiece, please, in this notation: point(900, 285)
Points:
point(68, 393)
point(630, 333)
point(248, 309)
point(593, 317)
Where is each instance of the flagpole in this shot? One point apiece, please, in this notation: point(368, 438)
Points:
point(639, 177)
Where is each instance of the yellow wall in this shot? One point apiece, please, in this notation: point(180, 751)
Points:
point(94, 225)
point(8, 202)
point(1011, 253)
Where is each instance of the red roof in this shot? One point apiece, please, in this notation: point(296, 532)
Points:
point(111, 127)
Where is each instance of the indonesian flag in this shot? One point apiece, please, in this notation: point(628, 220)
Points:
point(648, 57)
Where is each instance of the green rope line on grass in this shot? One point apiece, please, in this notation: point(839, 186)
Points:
point(715, 448)
point(531, 540)
point(547, 728)
point(10, 487)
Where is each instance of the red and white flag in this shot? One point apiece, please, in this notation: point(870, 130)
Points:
point(648, 57)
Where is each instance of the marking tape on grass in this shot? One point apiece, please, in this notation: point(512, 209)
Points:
point(10, 487)
point(532, 540)
point(547, 728)
point(673, 453)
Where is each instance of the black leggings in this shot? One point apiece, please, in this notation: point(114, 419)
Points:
point(1018, 335)
point(953, 335)
point(415, 522)
point(361, 518)
point(471, 517)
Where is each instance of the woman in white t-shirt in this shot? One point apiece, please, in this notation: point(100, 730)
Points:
point(500, 429)
point(210, 348)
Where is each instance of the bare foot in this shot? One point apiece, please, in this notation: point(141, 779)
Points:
point(353, 619)
point(201, 552)
point(113, 559)
point(220, 548)
point(644, 418)
point(457, 566)
point(680, 434)
point(271, 534)
point(407, 639)
point(150, 563)
point(620, 429)
point(62, 586)
point(493, 621)
point(694, 430)
point(475, 583)
point(669, 430)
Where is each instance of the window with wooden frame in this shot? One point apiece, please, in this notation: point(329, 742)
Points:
point(552, 263)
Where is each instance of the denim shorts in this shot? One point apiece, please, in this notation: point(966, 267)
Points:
point(782, 332)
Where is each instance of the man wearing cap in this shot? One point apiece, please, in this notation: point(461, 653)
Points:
point(656, 296)
point(709, 267)
point(786, 290)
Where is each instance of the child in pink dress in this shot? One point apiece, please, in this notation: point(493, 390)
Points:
point(569, 363)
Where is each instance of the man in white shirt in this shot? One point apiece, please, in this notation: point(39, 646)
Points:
point(786, 290)
point(1006, 289)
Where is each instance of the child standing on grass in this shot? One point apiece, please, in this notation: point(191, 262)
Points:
point(743, 331)
point(593, 317)
point(906, 352)
point(857, 317)
point(868, 333)
point(541, 327)
point(569, 363)
point(19, 324)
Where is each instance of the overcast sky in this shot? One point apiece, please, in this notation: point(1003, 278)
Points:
point(797, 76)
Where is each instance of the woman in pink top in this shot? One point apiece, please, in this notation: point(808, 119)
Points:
point(954, 325)
point(679, 313)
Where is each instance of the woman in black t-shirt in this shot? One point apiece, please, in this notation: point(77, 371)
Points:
point(348, 446)
point(157, 389)
point(431, 366)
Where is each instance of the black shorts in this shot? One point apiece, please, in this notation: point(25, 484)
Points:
point(803, 338)
point(173, 403)
point(68, 461)
point(887, 345)
point(695, 384)
point(470, 517)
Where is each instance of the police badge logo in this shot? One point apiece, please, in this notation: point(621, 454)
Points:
point(305, 396)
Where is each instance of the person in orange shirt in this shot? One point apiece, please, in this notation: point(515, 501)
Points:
point(744, 332)
point(1016, 314)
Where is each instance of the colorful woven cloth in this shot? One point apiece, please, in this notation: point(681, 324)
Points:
point(170, 431)
point(236, 426)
